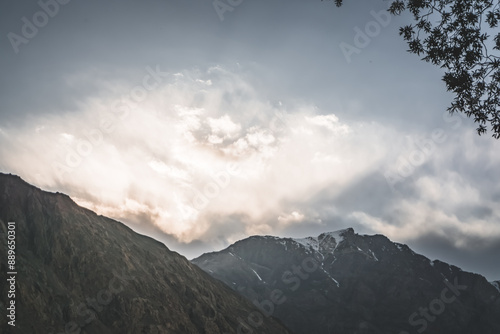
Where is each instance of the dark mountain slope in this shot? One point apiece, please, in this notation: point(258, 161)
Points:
point(78, 272)
point(345, 283)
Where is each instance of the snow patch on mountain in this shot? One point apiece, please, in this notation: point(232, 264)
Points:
point(325, 243)
point(260, 279)
point(338, 236)
point(496, 284)
point(330, 276)
point(309, 243)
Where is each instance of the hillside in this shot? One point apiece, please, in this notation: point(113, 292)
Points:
point(346, 283)
point(80, 271)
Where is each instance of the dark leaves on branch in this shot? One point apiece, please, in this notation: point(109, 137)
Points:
point(459, 36)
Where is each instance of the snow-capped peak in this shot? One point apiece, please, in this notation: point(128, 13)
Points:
point(324, 243)
point(338, 236)
point(309, 243)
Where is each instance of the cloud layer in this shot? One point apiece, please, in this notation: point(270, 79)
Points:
point(199, 147)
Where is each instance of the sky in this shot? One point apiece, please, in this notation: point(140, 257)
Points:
point(200, 123)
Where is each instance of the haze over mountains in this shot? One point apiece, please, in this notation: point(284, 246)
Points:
point(78, 272)
point(342, 282)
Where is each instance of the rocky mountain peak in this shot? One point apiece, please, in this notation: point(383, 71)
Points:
point(83, 273)
point(326, 243)
point(343, 282)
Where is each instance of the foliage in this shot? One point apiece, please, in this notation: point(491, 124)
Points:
point(455, 35)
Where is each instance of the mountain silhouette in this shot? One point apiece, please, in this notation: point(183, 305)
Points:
point(345, 283)
point(78, 272)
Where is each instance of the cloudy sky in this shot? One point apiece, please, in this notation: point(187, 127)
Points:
point(201, 124)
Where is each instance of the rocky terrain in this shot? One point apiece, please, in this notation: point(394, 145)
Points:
point(345, 283)
point(78, 272)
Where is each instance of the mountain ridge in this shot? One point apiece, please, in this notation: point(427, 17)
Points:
point(352, 284)
point(78, 272)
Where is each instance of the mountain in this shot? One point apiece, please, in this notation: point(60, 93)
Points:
point(345, 283)
point(77, 272)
